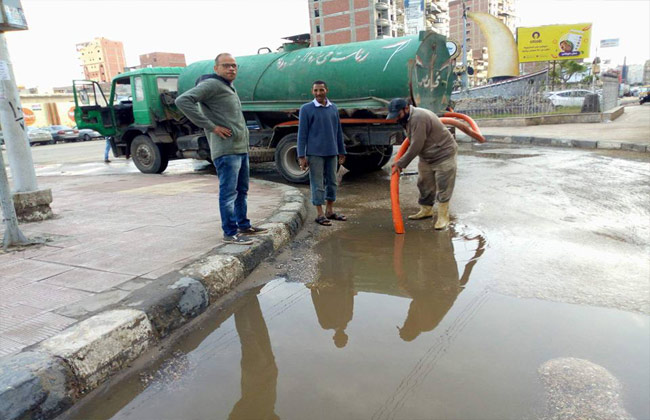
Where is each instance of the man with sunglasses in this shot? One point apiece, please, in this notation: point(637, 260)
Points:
point(213, 105)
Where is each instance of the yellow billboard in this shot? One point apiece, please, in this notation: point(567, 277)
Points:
point(554, 42)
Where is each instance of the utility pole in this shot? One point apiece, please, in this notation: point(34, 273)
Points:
point(13, 235)
point(463, 79)
point(13, 126)
point(29, 203)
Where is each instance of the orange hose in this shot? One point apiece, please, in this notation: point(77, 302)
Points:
point(464, 117)
point(464, 128)
point(398, 223)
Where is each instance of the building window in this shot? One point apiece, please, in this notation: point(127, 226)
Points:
point(316, 13)
point(317, 29)
point(319, 44)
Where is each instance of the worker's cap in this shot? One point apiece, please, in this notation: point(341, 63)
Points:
point(395, 106)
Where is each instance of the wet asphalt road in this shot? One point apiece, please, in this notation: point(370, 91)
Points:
point(535, 305)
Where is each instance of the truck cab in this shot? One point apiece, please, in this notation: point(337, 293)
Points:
point(139, 117)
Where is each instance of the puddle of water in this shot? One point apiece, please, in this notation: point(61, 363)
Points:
point(398, 329)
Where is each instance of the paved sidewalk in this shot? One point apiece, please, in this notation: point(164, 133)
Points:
point(111, 235)
point(630, 131)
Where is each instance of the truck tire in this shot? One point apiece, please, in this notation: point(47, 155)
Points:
point(368, 163)
point(148, 156)
point(286, 160)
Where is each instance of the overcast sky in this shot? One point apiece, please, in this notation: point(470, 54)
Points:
point(45, 55)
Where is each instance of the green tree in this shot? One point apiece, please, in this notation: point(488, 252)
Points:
point(562, 71)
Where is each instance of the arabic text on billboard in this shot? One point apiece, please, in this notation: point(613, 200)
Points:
point(606, 43)
point(554, 42)
point(414, 11)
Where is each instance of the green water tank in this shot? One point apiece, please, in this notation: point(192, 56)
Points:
point(360, 75)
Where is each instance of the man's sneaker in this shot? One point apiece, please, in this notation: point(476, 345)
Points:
point(252, 230)
point(236, 239)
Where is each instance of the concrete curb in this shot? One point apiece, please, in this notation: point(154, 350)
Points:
point(556, 142)
point(47, 378)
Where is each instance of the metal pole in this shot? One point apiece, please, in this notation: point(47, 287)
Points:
point(19, 153)
point(463, 79)
point(13, 235)
point(595, 63)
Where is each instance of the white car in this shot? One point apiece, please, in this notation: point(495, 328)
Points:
point(571, 97)
point(35, 136)
point(39, 136)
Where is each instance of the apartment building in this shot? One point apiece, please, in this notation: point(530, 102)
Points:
point(101, 59)
point(343, 21)
point(162, 59)
point(477, 52)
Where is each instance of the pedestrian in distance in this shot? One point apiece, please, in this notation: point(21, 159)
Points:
point(107, 148)
point(320, 148)
point(435, 146)
point(213, 105)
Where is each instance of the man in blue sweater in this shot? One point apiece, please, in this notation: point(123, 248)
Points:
point(320, 145)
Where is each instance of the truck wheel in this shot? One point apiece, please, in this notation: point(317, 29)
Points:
point(148, 156)
point(286, 160)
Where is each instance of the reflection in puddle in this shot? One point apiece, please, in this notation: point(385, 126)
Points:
point(425, 268)
point(259, 373)
point(394, 327)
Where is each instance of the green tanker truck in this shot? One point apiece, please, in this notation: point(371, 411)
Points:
point(142, 121)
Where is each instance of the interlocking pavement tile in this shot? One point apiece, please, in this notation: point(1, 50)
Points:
point(88, 280)
point(44, 296)
point(8, 346)
point(169, 268)
point(8, 283)
point(32, 269)
point(38, 329)
point(13, 315)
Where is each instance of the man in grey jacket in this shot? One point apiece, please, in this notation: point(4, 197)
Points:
point(435, 146)
point(214, 106)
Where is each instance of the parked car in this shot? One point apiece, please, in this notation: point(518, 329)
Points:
point(63, 133)
point(570, 97)
point(86, 134)
point(35, 136)
point(39, 136)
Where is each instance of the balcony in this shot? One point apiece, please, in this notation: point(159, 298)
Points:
point(383, 22)
point(380, 5)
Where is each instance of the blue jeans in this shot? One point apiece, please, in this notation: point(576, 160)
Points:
point(322, 178)
point(232, 171)
point(107, 149)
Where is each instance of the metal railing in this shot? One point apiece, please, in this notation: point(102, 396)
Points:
point(535, 100)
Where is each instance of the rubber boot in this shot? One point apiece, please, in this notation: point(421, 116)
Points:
point(425, 211)
point(443, 216)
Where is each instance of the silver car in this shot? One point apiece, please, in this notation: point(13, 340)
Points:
point(39, 136)
point(63, 133)
point(87, 134)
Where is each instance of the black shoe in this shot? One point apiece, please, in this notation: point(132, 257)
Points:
point(107, 161)
point(238, 240)
point(252, 230)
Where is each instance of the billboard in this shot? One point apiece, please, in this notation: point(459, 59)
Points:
point(554, 42)
point(414, 14)
point(608, 43)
